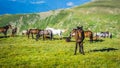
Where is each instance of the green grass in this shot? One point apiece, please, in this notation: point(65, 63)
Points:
point(24, 52)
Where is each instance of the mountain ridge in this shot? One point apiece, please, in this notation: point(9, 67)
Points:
point(96, 16)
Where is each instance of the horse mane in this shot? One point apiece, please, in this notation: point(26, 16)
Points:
point(78, 27)
point(6, 27)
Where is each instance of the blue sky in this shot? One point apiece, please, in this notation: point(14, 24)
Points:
point(33, 6)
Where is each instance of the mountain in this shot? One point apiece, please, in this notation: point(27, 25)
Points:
point(98, 15)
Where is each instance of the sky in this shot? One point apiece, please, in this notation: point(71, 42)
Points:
point(36, 6)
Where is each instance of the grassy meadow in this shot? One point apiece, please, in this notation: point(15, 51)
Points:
point(24, 52)
point(97, 16)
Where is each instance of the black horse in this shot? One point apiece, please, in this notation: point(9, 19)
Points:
point(79, 37)
point(45, 34)
point(14, 31)
point(4, 29)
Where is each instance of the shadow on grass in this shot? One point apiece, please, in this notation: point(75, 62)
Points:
point(4, 36)
point(99, 40)
point(103, 50)
point(68, 39)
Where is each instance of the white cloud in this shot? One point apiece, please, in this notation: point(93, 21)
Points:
point(70, 4)
point(37, 2)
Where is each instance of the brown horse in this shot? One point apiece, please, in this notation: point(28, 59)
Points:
point(32, 32)
point(79, 37)
point(89, 34)
point(45, 34)
point(5, 29)
point(14, 31)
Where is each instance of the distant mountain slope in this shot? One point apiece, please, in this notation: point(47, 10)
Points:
point(98, 15)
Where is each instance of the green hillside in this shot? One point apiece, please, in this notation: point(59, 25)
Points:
point(97, 16)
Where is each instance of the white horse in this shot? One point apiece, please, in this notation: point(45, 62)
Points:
point(56, 31)
point(24, 32)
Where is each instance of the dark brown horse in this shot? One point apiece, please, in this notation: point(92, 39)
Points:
point(32, 32)
point(5, 29)
point(45, 34)
point(14, 31)
point(79, 37)
point(87, 34)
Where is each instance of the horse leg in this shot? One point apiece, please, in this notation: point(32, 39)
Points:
point(28, 35)
point(43, 36)
point(51, 36)
point(61, 36)
point(13, 34)
point(37, 37)
point(75, 48)
point(5, 34)
point(32, 36)
point(82, 50)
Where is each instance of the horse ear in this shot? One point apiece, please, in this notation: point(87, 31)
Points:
point(77, 26)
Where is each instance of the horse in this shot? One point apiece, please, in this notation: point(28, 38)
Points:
point(14, 31)
point(44, 33)
point(32, 32)
point(104, 34)
point(87, 34)
point(4, 29)
point(79, 37)
point(56, 32)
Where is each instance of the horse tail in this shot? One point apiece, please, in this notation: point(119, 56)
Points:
point(28, 32)
point(51, 35)
point(60, 34)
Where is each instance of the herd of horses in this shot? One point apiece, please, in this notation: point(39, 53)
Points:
point(78, 33)
point(48, 32)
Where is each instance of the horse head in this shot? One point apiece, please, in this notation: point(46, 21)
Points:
point(80, 27)
point(72, 33)
point(9, 26)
